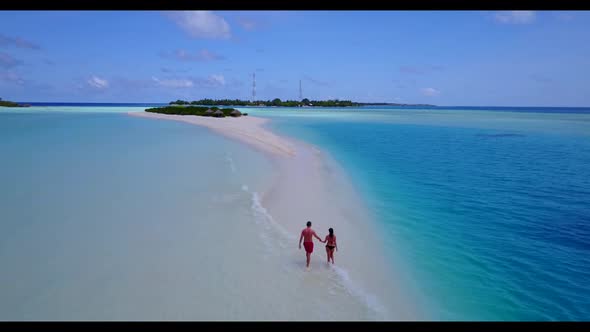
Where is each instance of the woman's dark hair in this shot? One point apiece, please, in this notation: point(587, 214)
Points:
point(331, 232)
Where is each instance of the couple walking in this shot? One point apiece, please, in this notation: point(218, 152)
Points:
point(307, 236)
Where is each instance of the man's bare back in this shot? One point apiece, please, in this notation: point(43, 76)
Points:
point(308, 234)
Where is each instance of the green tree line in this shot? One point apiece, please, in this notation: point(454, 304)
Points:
point(275, 102)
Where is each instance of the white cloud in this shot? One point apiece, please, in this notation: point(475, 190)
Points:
point(201, 24)
point(430, 92)
point(515, 17)
point(174, 83)
point(98, 83)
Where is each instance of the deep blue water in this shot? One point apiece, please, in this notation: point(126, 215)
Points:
point(574, 110)
point(493, 216)
point(376, 108)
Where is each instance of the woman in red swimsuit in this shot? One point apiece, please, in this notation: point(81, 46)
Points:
point(331, 245)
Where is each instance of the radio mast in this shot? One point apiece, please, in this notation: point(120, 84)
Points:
point(253, 86)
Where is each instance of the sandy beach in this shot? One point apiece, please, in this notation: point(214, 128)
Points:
point(247, 129)
point(310, 185)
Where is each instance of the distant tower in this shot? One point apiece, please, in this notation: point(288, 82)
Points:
point(254, 86)
point(300, 91)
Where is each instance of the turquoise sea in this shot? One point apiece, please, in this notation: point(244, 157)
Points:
point(488, 207)
point(491, 207)
point(104, 216)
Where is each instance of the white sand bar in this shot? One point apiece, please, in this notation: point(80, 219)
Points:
point(310, 185)
point(248, 129)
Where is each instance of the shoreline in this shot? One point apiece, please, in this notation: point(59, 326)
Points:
point(309, 185)
point(245, 129)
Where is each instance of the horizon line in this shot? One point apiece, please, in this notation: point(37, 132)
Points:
point(410, 104)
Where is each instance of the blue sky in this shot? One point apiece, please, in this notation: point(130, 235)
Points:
point(521, 58)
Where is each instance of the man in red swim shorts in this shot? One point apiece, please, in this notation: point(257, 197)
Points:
point(307, 236)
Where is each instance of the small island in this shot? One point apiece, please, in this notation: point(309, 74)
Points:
point(288, 103)
point(197, 110)
point(6, 103)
